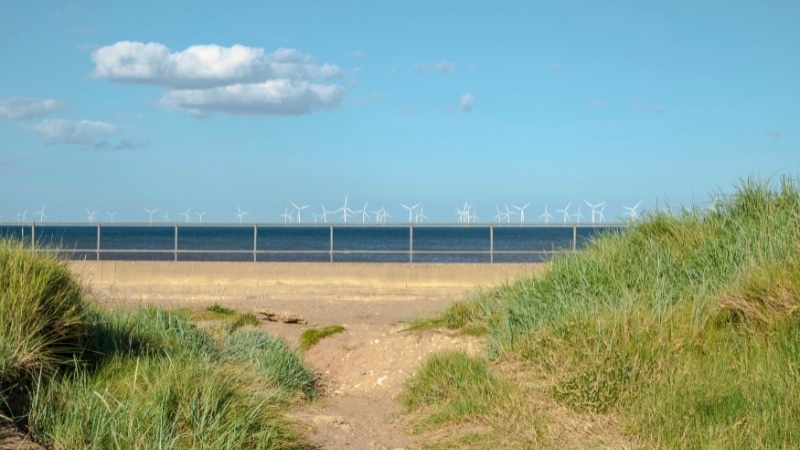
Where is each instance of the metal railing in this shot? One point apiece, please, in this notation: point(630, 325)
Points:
point(180, 248)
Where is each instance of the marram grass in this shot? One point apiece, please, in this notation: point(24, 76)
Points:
point(81, 378)
point(685, 326)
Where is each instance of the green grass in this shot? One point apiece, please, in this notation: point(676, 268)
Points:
point(43, 321)
point(312, 336)
point(221, 310)
point(77, 377)
point(685, 327)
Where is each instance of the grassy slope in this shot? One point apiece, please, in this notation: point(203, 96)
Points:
point(81, 378)
point(686, 327)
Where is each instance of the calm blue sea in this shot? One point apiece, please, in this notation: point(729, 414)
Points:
point(323, 243)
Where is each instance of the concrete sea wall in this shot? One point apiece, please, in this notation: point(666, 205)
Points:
point(188, 282)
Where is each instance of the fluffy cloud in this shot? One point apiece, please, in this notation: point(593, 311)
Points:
point(276, 97)
point(24, 108)
point(204, 66)
point(239, 80)
point(466, 102)
point(63, 131)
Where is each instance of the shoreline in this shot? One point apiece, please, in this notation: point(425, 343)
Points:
point(188, 283)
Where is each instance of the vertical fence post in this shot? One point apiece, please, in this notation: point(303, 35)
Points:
point(255, 241)
point(98, 241)
point(574, 236)
point(176, 241)
point(491, 243)
point(410, 242)
point(33, 236)
point(331, 241)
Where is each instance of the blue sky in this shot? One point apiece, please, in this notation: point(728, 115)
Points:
point(120, 106)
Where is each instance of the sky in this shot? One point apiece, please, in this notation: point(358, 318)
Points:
point(111, 108)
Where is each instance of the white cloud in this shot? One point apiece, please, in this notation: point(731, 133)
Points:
point(358, 54)
point(441, 67)
point(445, 67)
point(204, 66)
point(63, 131)
point(466, 102)
point(644, 106)
point(24, 108)
point(239, 80)
point(274, 97)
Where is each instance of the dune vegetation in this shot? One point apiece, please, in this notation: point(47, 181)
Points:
point(682, 331)
point(74, 376)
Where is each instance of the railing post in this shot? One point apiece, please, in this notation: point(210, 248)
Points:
point(176, 241)
point(98, 241)
point(574, 236)
point(255, 241)
point(33, 236)
point(491, 243)
point(331, 241)
point(410, 242)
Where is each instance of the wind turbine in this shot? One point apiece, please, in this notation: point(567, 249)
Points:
point(546, 215)
point(594, 208)
point(298, 209)
point(420, 216)
point(600, 213)
point(344, 210)
point(240, 214)
point(200, 216)
point(463, 214)
point(632, 211)
point(151, 212)
point(187, 215)
point(522, 211)
point(166, 216)
point(287, 218)
point(578, 216)
point(472, 214)
point(324, 214)
point(41, 214)
point(90, 216)
point(22, 216)
point(499, 217)
point(111, 216)
point(364, 214)
point(410, 211)
point(565, 211)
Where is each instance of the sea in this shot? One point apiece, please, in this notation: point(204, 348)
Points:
point(390, 243)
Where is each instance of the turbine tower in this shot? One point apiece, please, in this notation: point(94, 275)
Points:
point(287, 218)
point(41, 214)
point(240, 214)
point(565, 211)
point(298, 209)
point(522, 211)
point(410, 211)
point(594, 209)
point(151, 212)
point(547, 216)
point(632, 211)
point(187, 215)
point(200, 216)
point(111, 216)
point(344, 210)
